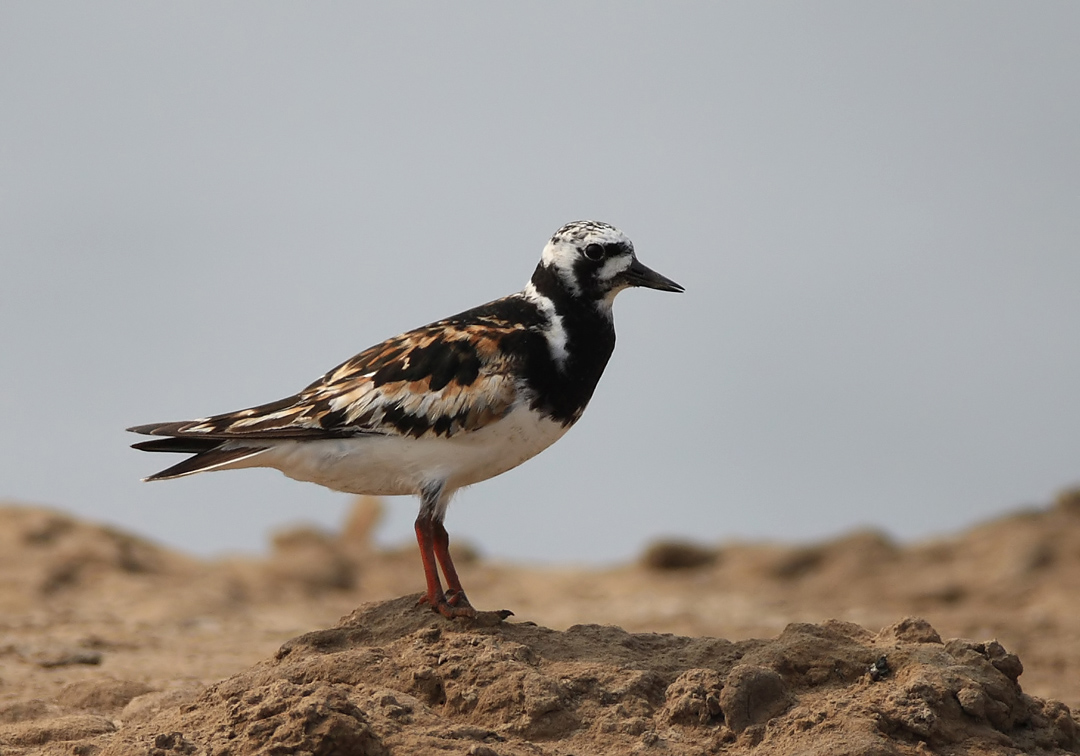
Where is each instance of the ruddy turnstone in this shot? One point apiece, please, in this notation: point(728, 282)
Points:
point(443, 406)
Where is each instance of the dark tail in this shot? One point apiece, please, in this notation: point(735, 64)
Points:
point(210, 453)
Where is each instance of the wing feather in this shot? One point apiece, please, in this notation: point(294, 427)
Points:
point(206, 461)
point(439, 380)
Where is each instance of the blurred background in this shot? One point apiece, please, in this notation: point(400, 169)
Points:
point(874, 209)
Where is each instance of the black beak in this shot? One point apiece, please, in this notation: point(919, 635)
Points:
point(639, 275)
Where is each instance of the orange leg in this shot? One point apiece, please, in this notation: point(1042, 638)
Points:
point(424, 538)
point(434, 552)
point(455, 594)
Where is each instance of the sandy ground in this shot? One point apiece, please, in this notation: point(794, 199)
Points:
point(111, 644)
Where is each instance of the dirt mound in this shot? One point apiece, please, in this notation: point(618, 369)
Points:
point(112, 644)
point(395, 678)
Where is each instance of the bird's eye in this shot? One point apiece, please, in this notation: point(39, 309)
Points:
point(594, 252)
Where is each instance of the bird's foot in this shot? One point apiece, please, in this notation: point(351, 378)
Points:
point(454, 604)
point(451, 604)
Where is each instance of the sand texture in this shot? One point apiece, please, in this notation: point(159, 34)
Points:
point(970, 644)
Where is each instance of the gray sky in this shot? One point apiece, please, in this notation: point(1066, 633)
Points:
point(874, 207)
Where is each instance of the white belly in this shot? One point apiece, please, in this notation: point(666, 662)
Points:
point(389, 465)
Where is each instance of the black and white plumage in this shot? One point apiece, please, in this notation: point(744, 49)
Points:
point(443, 406)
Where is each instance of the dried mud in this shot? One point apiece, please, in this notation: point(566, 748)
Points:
point(110, 644)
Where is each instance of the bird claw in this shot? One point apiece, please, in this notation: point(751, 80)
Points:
point(454, 604)
point(450, 605)
point(448, 610)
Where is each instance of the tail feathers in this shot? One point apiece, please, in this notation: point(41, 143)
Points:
point(182, 445)
point(203, 461)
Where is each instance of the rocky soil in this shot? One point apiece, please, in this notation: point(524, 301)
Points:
point(110, 644)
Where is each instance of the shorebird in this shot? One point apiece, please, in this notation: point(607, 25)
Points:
point(443, 406)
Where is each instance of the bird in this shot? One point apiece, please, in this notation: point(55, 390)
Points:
point(442, 406)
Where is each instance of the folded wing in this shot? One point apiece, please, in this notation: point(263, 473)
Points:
point(437, 381)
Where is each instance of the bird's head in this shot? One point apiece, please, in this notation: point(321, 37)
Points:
point(594, 261)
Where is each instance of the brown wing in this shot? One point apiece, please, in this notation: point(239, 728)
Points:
point(438, 380)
